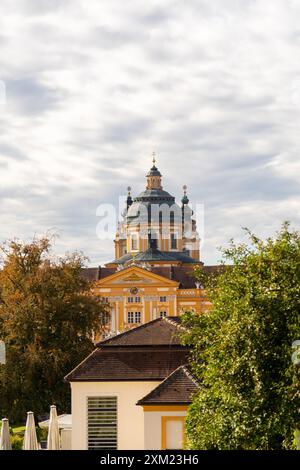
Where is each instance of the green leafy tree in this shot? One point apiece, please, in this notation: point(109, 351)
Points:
point(242, 349)
point(47, 320)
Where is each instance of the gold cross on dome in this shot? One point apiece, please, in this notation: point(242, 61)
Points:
point(154, 158)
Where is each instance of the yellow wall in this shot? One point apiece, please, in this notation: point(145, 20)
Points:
point(117, 288)
point(150, 309)
point(178, 301)
point(163, 239)
point(154, 427)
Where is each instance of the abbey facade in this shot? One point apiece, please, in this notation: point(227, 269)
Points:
point(138, 377)
point(157, 247)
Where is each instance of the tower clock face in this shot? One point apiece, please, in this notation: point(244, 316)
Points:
point(134, 290)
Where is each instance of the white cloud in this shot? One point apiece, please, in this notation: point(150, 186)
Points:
point(93, 87)
point(286, 165)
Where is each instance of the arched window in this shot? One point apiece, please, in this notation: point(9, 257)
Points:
point(134, 241)
point(172, 217)
point(173, 241)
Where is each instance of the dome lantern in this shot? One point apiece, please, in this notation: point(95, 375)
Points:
point(154, 176)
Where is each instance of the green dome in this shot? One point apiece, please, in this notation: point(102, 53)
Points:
point(154, 171)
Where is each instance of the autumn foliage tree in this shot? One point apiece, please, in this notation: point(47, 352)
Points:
point(242, 349)
point(47, 320)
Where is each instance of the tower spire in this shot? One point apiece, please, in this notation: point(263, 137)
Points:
point(153, 158)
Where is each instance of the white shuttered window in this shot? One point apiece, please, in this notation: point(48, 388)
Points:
point(102, 423)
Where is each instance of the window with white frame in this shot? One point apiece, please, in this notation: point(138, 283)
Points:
point(102, 423)
point(138, 317)
point(163, 298)
point(134, 317)
point(163, 314)
point(130, 317)
point(132, 300)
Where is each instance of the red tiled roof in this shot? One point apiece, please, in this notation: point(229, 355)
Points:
point(151, 351)
point(216, 269)
point(90, 274)
point(126, 364)
point(176, 389)
point(158, 332)
point(104, 272)
point(94, 274)
point(181, 274)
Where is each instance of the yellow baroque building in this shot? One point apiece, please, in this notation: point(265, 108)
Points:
point(141, 375)
point(156, 251)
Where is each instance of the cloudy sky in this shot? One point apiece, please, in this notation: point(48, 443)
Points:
point(93, 87)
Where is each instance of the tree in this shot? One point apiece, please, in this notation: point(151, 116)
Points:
point(249, 396)
point(47, 319)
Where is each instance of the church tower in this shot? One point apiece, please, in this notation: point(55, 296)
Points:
point(156, 251)
point(155, 229)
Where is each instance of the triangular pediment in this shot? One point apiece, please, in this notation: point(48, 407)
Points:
point(135, 275)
